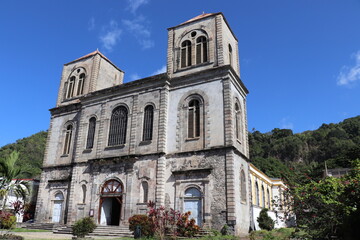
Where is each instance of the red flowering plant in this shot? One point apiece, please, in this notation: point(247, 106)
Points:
point(170, 222)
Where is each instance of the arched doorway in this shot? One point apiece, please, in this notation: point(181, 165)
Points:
point(111, 203)
point(57, 208)
point(192, 203)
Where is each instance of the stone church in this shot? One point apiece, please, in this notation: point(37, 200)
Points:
point(178, 138)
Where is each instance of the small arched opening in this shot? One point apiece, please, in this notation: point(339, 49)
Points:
point(111, 203)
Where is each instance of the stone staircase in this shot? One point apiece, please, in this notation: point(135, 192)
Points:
point(39, 226)
point(114, 231)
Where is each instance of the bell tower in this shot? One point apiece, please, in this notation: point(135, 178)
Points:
point(203, 42)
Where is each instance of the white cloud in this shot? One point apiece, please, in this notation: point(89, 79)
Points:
point(349, 75)
point(159, 71)
point(133, 5)
point(285, 124)
point(134, 76)
point(91, 24)
point(138, 28)
point(111, 35)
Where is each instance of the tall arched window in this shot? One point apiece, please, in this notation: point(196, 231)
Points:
point(194, 119)
point(118, 126)
point(80, 88)
point(148, 123)
point(237, 121)
point(145, 191)
point(67, 140)
point(257, 194)
point(83, 187)
point(186, 54)
point(268, 198)
point(243, 186)
point(71, 87)
point(91, 133)
point(201, 50)
point(263, 195)
point(230, 55)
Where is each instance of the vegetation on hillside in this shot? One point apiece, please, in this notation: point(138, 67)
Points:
point(281, 152)
point(31, 154)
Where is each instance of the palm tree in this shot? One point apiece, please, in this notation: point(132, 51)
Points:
point(9, 183)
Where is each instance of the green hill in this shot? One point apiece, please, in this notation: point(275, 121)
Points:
point(31, 151)
point(280, 151)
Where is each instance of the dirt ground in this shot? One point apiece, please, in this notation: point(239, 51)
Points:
point(50, 236)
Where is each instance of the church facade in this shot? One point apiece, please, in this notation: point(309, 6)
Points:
point(178, 138)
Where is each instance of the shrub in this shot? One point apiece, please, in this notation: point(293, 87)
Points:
point(186, 227)
point(265, 222)
point(7, 220)
point(9, 236)
point(143, 221)
point(83, 227)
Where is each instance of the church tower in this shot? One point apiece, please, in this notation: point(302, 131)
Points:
point(203, 42)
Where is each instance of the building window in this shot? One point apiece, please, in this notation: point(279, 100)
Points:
point(201, 50)
point(76, 80)
point(80, 88)
point(118, 126)
point(91, 133)
point(230, 56)
point(186, 54)
point(145, 191)
point(263, 196)
point(194, 119)
point(237, 121)
point(257, 194)
point(112, 187)
point(67, 141)
point(268, 198)
point(243, 186)
point(148, 123)
point(83, 187)
point(71, 87)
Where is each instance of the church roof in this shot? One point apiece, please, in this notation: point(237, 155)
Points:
point(201, 16)
point(91, 55)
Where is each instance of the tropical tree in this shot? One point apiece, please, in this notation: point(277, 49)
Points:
point(9, 172)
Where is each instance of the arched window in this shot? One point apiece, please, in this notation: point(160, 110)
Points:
point(243, 186)
point(118, 126)
point(148, 123)
point(91, 133)
point(76, 80)
point(201, 50)
point(83, 187)
point(268, 198)
point(145, 191)
point(257, 194)
point(192, 193)
point(186, 54)
point(263, 196)
point(112, 187)
point(237, 121)
point(194, 119)
point(80, 88)
point(230, 55)
point(71, 87)
point(67, 140)
point(59, 196)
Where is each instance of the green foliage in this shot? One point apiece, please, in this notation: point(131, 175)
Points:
point(9, 236)
point(281, 152)
point(144, 222)
point(7, 220)
point(31, 154)
point(329, 207)
point(265, 221)
point(83, 227)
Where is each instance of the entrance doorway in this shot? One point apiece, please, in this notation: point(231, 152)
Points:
point(192, 203)
point(57, 209)
point(111, 203)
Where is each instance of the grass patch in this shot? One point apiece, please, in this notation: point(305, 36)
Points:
point(28, 230)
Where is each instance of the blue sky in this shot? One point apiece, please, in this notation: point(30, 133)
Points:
point(300, 59)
